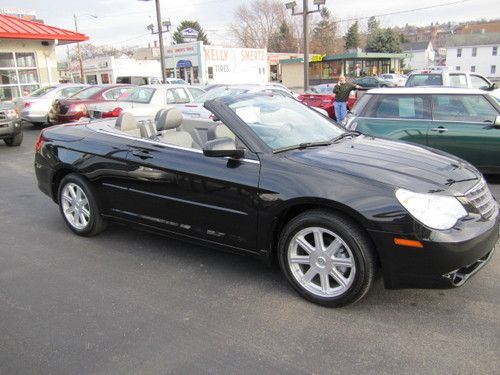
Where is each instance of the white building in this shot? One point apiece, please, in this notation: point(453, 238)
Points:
point(419, 55)
point(106, 69)
point(475, 53)
point(204, 64)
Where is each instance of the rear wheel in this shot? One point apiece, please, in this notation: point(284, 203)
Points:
point(15, 140)
point(78, 206)
point(327, 258)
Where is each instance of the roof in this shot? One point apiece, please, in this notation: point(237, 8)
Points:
point(17, 28)
point(466, 40)
point(415, 46)
point(427, 90)
point(365, 55)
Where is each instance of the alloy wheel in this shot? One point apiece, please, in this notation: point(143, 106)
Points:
point(75, 206)
point(321, 262)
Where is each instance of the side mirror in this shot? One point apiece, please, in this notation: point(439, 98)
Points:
point(496, 124)
point(493, 86)
point(222, 147)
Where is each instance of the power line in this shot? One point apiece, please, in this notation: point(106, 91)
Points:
point(403, 11)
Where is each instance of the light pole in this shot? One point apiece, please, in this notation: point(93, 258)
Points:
point(78, 50)
point(305, 21)
point(160, 37)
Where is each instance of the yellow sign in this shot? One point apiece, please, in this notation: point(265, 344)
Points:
point(317, 58)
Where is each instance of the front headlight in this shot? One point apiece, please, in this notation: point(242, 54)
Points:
point(435, 211)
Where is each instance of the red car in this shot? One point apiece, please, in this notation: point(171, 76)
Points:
point(322, 96)
point(75, 107)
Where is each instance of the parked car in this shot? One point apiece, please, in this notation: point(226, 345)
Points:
point(196, 109)
point(322, 96)
point(75, 107)
point(449, 78)
point(35, 107)
point(396, 79)
point(278, 181)
point(138, 80)
point(146, 100)
point(463, 122)
point(10, 128)
point(372, 82)
point(175, 81)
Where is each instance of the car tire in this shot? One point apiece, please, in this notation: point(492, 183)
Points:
point(337, 272)
point(15, 140)
point(79, 207)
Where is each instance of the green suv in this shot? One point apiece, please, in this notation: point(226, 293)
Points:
point(462, 122)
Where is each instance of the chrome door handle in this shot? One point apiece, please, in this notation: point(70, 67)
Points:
point(440, 129)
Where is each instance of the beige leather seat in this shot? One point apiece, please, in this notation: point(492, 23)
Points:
point(172, 119)
point(127, 123)
point(219, 131)
point(148, 129)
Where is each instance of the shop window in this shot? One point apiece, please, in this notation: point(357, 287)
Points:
point(473, 68)
point(8, 77)
point(91, 79)
point(494, 51)
point(28, 76)
point(105, 78)
point(25, 59)
point(459, 52)
point(493, 69)
point(8, 92)
point(210, 72)
point(6, 60)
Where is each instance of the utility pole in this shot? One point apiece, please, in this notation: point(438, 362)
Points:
point(305, 23)
point(160, 36)
point(79, 52)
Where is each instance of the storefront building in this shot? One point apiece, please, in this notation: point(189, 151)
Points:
point(27, 55)
point(102, 70)
point(204, 64)
point(326, 69)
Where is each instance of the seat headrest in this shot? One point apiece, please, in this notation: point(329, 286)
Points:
point(126, 121)
point(170, 119)
point(158, 124)
point(219, 131)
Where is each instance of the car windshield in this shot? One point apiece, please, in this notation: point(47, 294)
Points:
point(140, 95)
point(327, 89)
point(87, 93)
point(425, 80)
point(41, 91)
point(283, 122)
point(220, 92)
point(177, 82)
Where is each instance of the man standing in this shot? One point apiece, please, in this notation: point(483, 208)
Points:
point(342, 91)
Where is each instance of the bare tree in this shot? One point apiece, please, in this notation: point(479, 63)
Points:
point(257, 20)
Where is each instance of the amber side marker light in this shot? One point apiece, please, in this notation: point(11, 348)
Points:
point(408, 243)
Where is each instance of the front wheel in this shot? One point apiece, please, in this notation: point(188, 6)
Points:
point(327, 258)
point(15, 140)
point(78, 206)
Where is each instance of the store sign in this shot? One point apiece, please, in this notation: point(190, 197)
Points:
point(189, 34)
point(317, 58)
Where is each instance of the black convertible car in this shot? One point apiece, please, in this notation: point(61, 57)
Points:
point(272, 178)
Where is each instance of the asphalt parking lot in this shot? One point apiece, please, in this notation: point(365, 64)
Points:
point(129, 302)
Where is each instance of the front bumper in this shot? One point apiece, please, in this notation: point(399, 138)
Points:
point(447, 261)
point(9, 128)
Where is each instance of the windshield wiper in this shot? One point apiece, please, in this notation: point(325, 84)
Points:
point(344, 135)
point(302, 146)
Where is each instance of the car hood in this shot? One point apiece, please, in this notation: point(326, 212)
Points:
point(394, 163)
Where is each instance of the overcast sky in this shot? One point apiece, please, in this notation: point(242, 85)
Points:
point(123, 22)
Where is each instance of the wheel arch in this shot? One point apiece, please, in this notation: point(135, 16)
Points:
point(56, 181)
point(298, 207)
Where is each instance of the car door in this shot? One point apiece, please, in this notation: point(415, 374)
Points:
point(463, 126)
point(394, 116)
point(181, 190)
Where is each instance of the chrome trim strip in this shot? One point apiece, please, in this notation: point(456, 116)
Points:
point(251, 161)
point(176, 199)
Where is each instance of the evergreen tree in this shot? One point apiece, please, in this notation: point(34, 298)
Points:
point(352, 37)
point(373, 25)
point(282, 40)
point(384, 40)
point(324, 33)
point(202, 36)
